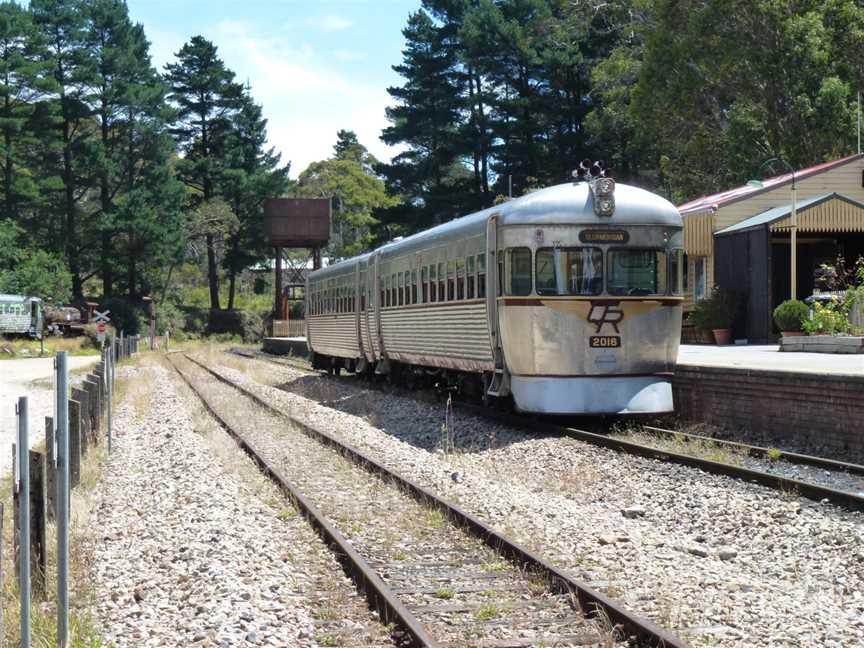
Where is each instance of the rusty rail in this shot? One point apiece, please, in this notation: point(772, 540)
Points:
point(592, 602)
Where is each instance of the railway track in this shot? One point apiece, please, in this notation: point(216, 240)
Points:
point(813, 491)
point(443, 576)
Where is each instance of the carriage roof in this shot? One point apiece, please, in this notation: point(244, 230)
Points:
point(565, 204)
point(15, 299)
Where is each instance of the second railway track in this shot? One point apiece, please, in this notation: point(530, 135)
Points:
point(772, 478)
point(444, 576)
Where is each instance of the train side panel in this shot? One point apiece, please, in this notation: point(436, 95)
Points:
point(334, 335)
point(453, 335)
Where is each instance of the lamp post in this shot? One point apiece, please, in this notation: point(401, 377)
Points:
point(793, 229)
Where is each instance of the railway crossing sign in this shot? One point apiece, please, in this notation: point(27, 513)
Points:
point(102, 320)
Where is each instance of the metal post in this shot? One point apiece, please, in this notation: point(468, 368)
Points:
point(22, 484)
point(109, 395)
point(62, 500)
point(794, 240)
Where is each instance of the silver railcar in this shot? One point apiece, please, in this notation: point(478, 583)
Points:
point(566, 303)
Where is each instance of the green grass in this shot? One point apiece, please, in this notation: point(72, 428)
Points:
point(74, 346)
point(444, 593)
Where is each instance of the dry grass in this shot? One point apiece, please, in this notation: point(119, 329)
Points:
point(74, 346)
point(83, 628)
point(681, 444)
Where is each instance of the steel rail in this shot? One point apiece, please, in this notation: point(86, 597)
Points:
point(815, 492)
point(379, 595)
point(763, 452)
point(590, 601)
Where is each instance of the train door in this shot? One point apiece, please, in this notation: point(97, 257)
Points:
point(359, 298)
point(498, 384)
point(373, 319)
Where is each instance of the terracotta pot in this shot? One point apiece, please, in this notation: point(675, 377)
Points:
point(792, 333)
point(722, 336)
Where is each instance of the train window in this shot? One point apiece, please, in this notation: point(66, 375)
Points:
point(394, 287)
point(400, 289)
point(386, 291)
point(470, 279)
point(519, 267)
point(481, 276)
point(433, 283)
point(460, 279)
point(637, 272)
point(451, 280)
point(413, 286)
point(569, 271)
point(677, 268)
point(424, 285)
point(441, 278)
point(381, 293)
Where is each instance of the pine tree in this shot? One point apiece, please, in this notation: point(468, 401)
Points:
point(252, 175)
point(426, 118)
point(62, 25)
point(25, 80)
point(128, 92)
point(207, 97)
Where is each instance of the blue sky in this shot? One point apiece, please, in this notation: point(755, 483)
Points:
point(315, 67)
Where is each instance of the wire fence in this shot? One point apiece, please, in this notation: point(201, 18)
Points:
point(43, 481)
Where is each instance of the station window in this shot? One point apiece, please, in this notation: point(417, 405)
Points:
point(637, 272)
point(471, 279)
point(424, 285)
point(569, 271)
point(481, 276)
point(413, 287)
point(700, 279)
point(519, 271)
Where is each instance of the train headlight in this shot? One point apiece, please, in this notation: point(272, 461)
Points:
point(604, 196)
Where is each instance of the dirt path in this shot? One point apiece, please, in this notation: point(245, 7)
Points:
point(17, 379)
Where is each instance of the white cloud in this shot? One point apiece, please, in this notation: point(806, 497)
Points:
point(305, 97)
point(328, 22)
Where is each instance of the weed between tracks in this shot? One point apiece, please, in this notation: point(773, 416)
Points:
point(678, 443)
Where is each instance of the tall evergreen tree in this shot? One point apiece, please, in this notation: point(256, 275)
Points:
point(207, 97)
point(128, 97)
point(252, 175)
point(25, 80)
point(426, 119)
point(62, 24)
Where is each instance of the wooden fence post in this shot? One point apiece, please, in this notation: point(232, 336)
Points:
point(83, 398)
point(38, 552)
point(50, 473)
point(75, 445)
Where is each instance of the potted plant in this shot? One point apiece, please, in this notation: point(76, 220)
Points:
point(716, 313)
point(789, 317)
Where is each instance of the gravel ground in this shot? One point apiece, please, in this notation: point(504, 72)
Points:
point(719, 561)
point(458, 588)
point(195, 548)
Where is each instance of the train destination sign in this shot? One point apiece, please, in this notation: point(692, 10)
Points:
point(604, 236)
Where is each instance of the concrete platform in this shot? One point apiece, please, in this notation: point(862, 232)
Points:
point(766, 357)
point(285, 346)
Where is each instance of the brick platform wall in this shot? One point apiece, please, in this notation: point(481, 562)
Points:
point(816, 410)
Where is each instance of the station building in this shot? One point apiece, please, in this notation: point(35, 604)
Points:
point(739, 239)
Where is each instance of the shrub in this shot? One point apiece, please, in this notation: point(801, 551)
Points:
point(716, 311)
point(249, 325)
point(790, 314)
point(828, 319)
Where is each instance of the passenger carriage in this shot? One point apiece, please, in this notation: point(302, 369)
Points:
point(20, 315)
point(568, 299)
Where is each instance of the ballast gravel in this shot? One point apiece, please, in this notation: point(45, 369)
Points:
point(718, 561)
point(188, 554)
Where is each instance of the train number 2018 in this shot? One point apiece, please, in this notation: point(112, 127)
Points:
point(605, 342)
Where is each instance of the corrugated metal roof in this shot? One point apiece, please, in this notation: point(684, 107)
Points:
point(747, 191)
point(778, 213)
